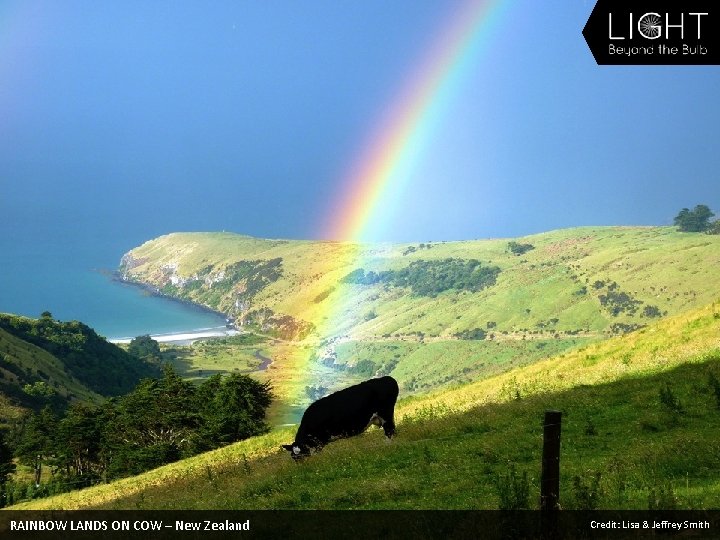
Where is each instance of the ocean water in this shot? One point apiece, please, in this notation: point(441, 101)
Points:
point(59, 269)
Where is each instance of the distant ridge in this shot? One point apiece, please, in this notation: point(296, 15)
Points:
point(569, 288)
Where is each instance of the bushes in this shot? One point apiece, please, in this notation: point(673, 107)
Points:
point(474, 334)
point(365, 367)
point(430, 278)
point(513, 490)
point(669, 400)
point(624, 328)
point(518, 249)
point(695, 220)
point(98, 364)
point(144, 347)
point(160, 421)
point(316, 392)
point(617, 302)
point(651, 311)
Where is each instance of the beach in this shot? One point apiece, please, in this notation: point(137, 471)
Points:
point(184, 338)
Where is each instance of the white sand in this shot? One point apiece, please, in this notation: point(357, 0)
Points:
point(187, 337)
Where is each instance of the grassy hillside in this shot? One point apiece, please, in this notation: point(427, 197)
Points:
point(568, 289)
point(641, 420)
point(23, 365)
point(540, 290)
point(44, 361)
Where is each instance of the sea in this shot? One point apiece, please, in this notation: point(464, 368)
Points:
point(66, 270)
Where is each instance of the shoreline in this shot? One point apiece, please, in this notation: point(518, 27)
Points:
point(184, 337)
point(117, 277)
point(181, 337)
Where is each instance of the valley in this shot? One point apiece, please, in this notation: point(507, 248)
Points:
point(618, 327)
point(624, 445)
point(339, 312)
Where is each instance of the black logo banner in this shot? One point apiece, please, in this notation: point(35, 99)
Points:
point(654, 32)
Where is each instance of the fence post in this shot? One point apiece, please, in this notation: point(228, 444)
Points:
point(38, 470)
point(550, 479)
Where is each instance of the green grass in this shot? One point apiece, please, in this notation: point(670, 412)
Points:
point(37, 364)
point(543, 294)
point(450, 461)
point(424, 365)
point(657, 265)
point(453, 445)
point(238, 354)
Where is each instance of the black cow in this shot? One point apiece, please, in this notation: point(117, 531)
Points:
point(346, 413)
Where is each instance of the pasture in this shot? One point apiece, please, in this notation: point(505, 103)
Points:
point(641, 422)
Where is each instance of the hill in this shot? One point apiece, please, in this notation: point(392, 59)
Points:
point(31, 376)
point(572, 280)
point(431, 314)
point(45, 361)
point(641, 418)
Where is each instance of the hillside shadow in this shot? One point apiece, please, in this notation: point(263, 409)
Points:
point(644, 450)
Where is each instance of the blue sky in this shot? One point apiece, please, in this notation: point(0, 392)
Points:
point(123, 121)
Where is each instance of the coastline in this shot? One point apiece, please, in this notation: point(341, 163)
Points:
point(117, 277)
point(184, 338)
point(181, 337)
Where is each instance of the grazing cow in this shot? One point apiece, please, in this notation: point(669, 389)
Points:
point(346, 413)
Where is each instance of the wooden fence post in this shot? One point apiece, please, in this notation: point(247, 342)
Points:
point(38, 470)
point(550, 479)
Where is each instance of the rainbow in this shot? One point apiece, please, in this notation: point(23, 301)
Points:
point(377, 177)
point(384, 165)
point(383, 168)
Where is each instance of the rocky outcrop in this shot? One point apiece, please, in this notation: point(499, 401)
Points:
point(229, 289)
point(129, 263)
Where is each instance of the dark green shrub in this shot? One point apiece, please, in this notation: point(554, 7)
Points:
point(587, 495)
point(518, 249)
point(662, 498)
point(513, 490)
point(590, 428)
point(714, 384)
point(669, 400)
point(430, 278)
point(474, 334)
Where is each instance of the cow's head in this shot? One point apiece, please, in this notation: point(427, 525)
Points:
point(297, 451)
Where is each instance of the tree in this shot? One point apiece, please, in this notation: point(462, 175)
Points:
point(232, 408)
point(695, 220)
point(79, 439)
point(91, 359)
point(152, 425)
point(519, 249)
point(7, 467)
point(145, 348)
point(714, 227)
point(37, 444)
